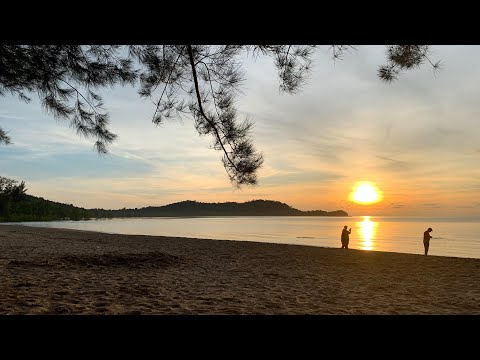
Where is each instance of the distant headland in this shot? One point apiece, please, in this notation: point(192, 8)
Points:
point(32, 208)
point(195, 208)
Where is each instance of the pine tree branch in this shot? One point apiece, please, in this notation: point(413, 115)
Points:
point(197, 90)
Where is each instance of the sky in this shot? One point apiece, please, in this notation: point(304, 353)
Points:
point(417, 139)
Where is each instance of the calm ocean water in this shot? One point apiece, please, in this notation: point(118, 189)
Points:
point(459, 237)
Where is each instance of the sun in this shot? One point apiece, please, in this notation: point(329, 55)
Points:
point(365, 193)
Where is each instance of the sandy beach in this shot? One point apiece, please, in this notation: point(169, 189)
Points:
point(56, 271)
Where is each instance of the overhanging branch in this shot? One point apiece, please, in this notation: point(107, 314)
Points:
point(202, 112)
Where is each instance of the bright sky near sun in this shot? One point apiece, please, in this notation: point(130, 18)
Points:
point(417, 140)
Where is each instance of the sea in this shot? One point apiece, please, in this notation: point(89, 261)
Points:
point(454, 237)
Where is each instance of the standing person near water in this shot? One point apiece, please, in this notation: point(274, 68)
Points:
point(426, 240)
point(346, 237)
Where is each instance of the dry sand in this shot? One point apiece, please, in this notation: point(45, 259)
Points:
point(56, 271)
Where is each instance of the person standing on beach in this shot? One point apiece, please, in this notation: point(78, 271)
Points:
point(426, 240)
point(346, 237)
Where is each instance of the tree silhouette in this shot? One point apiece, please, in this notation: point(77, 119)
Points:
point(10, 190)
point(200, 80)
point(10, 187)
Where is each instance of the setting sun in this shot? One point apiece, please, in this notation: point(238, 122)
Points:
point(365, 193)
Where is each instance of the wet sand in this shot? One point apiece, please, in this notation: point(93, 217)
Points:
point(56, 271)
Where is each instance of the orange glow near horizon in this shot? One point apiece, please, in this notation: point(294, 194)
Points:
point(365, 193)
point(367, 230)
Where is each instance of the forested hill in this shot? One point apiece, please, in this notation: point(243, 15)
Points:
point(32, 208)
point(194, 208)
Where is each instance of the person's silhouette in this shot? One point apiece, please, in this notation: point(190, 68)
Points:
point(426, 240)
point(346, 237)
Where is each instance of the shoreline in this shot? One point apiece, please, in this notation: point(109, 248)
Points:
point(242, 241)
point(419, 252)
point(63, 271)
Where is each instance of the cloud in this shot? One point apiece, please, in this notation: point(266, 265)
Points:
point(301, 177)
point(8, 116)
point(432, 205)
point(393, 165)
point(38, 164)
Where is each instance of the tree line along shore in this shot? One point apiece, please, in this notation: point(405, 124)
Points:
point(16, 205)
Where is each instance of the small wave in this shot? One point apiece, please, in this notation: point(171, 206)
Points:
point(305, 237)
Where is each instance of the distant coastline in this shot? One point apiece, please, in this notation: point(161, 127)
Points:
point(195, 208)
point(32, 208)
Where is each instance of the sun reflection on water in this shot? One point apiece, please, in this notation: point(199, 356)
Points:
point(367, 231)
